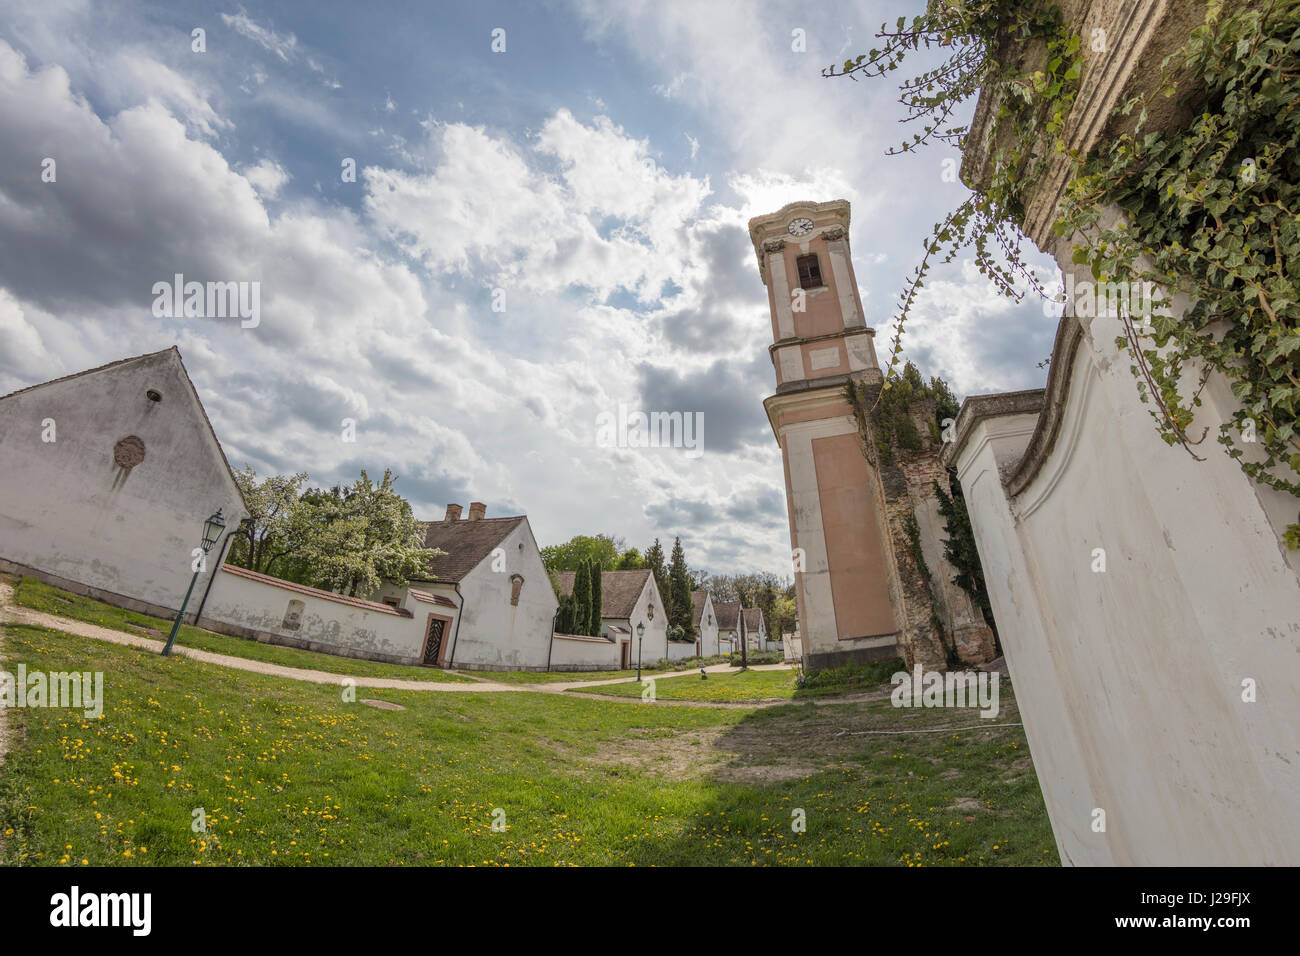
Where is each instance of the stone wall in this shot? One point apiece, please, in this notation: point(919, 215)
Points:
point(1144, 597)
point(942, 623)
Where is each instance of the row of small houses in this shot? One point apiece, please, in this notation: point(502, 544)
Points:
point(108, 475)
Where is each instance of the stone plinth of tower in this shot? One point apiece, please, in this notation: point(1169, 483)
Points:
point(847, 587)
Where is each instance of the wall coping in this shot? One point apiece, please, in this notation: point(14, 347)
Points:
point(314, 592)
point(585, 638)
point(1141, 33)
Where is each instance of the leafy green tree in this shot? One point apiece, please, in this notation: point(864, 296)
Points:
point(960, 548)
point(631, 560)
point(566, 621)
point(601, 548)
point(679, 586)
point(784, 613)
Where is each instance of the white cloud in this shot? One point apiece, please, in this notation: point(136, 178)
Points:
point(267, 176)
point(284, 46)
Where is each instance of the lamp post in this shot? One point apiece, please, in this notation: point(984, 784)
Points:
point(212, 529)
point(640, 634)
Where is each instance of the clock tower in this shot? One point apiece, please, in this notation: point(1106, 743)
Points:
point(850, 601)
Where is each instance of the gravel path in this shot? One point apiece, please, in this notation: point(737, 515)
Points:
point(20, 615)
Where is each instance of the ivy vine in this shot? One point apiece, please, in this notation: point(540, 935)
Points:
point(1209, 207)
point(1210, 212)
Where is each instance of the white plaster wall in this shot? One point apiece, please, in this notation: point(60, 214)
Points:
point(67, 509)
point(1130, 680)
point(679, 651)
point(709, 629)
point(568, 654)
point(494, 633)
point(654, 643)
point(330, 626)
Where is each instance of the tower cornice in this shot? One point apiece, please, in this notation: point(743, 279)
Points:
point(831, 218)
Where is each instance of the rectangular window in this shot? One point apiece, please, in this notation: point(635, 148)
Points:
point(810, 273)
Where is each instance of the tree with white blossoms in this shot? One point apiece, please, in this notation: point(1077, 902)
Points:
point(278, 525)
point(366, 534)
point(348, 539)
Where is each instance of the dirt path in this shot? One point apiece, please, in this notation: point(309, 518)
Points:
point(10, 613)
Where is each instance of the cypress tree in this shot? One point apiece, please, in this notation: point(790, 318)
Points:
point(679, 584)
point(596, 597)
point(582, 599)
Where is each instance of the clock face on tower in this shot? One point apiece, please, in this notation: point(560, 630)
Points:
point(801, 227)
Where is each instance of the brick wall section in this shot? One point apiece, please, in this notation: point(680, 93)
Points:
point(920, 643)
point(908, 479)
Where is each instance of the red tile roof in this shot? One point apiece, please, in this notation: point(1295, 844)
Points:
point(313, 592)
point(728, 613)
point(428, 598)
point(466, 543)
point(698, 600)
point(619, 591)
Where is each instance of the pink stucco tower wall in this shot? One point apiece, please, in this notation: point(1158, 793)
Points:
point(848, 593)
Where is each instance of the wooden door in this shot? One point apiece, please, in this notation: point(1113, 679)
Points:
point(433, 641)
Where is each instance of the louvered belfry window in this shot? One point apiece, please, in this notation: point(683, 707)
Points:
point(810, 272)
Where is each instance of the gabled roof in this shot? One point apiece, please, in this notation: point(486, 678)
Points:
point(466, 541)
point(619, 591)
point(174, 351)
point(698, 600)
point(753, 620)
point(728, 613)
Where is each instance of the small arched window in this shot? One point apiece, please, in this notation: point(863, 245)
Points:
point(516, 585)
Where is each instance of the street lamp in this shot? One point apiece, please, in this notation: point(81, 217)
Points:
point(212, 529)
point(640, 633)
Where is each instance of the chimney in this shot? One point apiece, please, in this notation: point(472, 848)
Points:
point(476, 510)
point(453, 513)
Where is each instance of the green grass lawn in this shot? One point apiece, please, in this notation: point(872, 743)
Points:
point(287, 773)
point(553, 677)
point(39, 596)
point(739, 686)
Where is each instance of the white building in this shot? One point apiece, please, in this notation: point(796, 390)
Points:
point(629, 599)
point(487, 603)
point(755, 628)
point(729, 625)
point(1145, 598)
point(106, 479)
point(705, 620)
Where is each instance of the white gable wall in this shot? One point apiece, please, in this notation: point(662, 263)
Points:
point(69, 513)
point(708, 629)
point(494, 634)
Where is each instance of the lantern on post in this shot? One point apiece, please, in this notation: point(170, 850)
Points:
point(212, 529)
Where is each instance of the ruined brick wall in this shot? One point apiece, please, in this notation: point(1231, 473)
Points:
point(921, 643)
point(940, 615)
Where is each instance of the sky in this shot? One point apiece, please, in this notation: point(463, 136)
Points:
point(535, 236)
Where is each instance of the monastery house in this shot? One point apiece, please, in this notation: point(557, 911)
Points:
point(729, 625)
point(755, 628)
point(705, 620)
point(486, 603)
point(107, 478)
point(109, 475)
point(628, 599)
